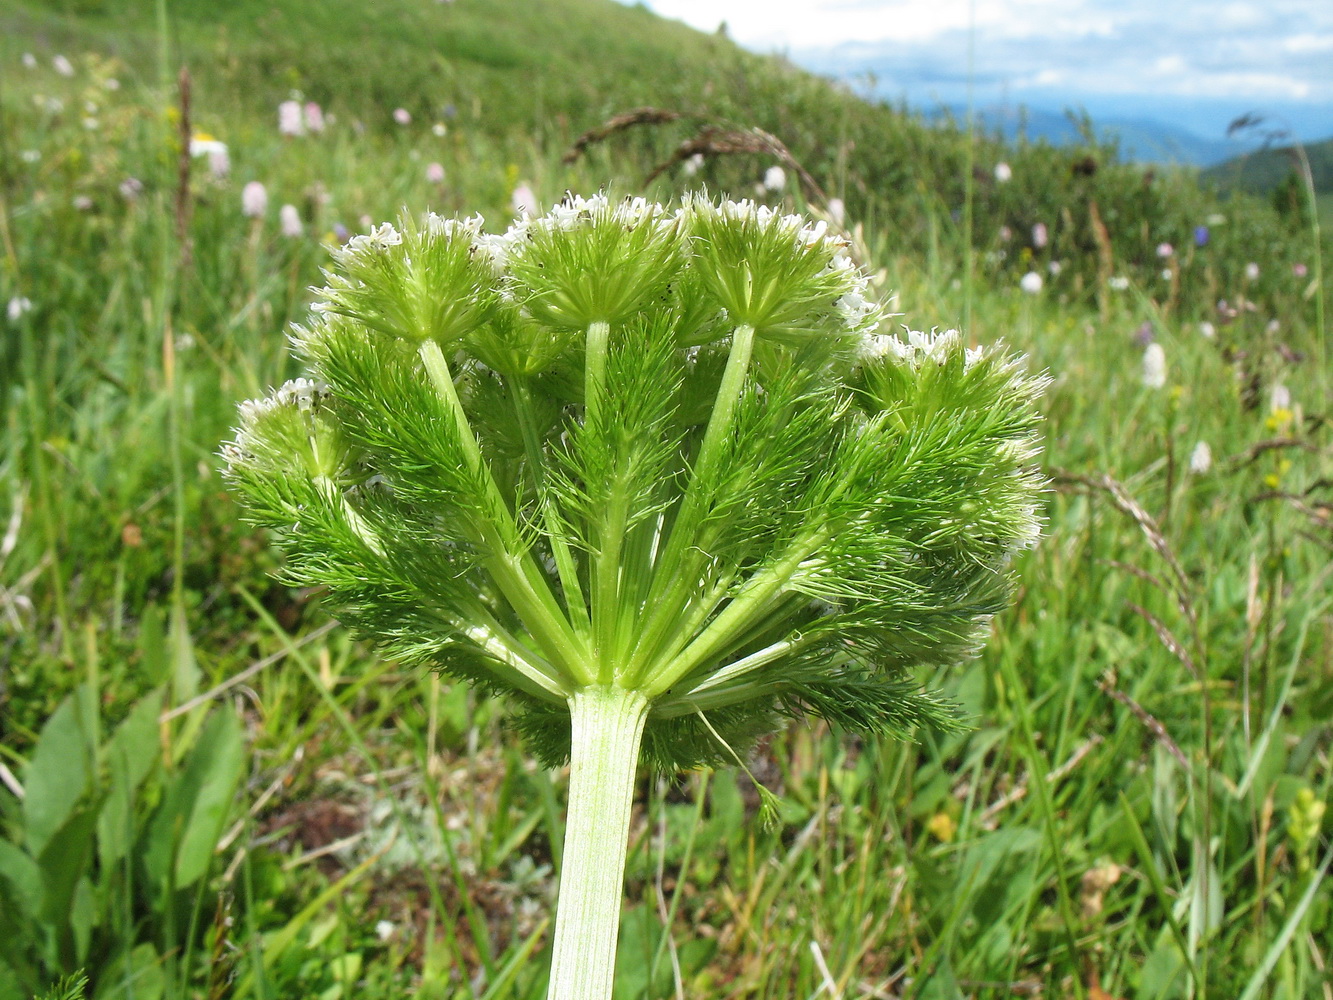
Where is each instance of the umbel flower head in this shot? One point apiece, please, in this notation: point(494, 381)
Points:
point(665, 454)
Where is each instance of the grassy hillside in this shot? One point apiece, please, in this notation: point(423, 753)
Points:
point(503, 65)
point(1264, 171)
point(208, 790)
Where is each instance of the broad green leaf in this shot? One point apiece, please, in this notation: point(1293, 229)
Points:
point(639, 932)
point(63, 862)
point(185, 830)
point(216, 763)
point(153, 661)
point(20, 882)
point(184, 668)
point(82, 919)
point(129, 756)
point(1163, 975)
point(57, 775)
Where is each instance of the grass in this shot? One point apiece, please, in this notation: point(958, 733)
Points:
point(1130, 814)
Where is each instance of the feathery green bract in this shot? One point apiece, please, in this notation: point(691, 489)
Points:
point(661, 451)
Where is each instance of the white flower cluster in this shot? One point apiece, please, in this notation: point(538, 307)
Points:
point(854, 305)
point(858, 311)
point(18, 305)
point(301, 394)
point(1154, 367)
point(379, 239)
point(1201, 458)
point(919, 348)
point(574, 211)
point(571, 213)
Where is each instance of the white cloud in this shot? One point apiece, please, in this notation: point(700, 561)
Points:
point(1056, 51)
point(1308, 43)
point(1172, 65)
point(792, 24)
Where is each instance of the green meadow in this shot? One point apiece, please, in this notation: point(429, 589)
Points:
point(209, 790)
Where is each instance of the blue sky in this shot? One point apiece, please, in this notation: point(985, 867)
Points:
point(1194, 63)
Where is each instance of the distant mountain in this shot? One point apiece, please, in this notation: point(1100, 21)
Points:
point(1261, 171)
point(1139, 140)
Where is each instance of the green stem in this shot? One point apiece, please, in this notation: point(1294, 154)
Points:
point(606, 598)
point(728, 396)
point(605, 581)
point(594, 369)
point(766, 586)
point(508, 560)
point(684, 533)
point(565, 565)
point(607, 728)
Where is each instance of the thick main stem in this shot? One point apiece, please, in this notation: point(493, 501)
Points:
point(607, 727)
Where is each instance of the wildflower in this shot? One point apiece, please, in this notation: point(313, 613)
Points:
point(131, 188)
point(1207, 330)
point(91, 123)
point(384, 929)
point(1154, 366)
point(30, 156)
point(29, 60)
point(1279, 398)
point(1031, 283)
point(289, 220)
point(693, 165)
point(111, 83)
point(837, 211)
point(314, 118)
point(779, 527)
point(435, 173)
point(291, 121)
point(1039, 235)
point(1201, 458)
point(1272, 327)
point(1299, 270)
point(775, 179)
point(82, 202)
point(1055, 267)
point(1003, 172)
point(1165, 274)
point(439, 129)
point(524, 201)
point(62, 66)
point(402, 116)
point(1252, 271)
point(1200, 236)
point(1165, 250)
point(1145, 334)
point(18, 305)
point(219, 160)
point(1118, 282)
point(1006, 234)
point(254, 200)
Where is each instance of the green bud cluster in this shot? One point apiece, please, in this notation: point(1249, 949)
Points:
point(621, 447)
